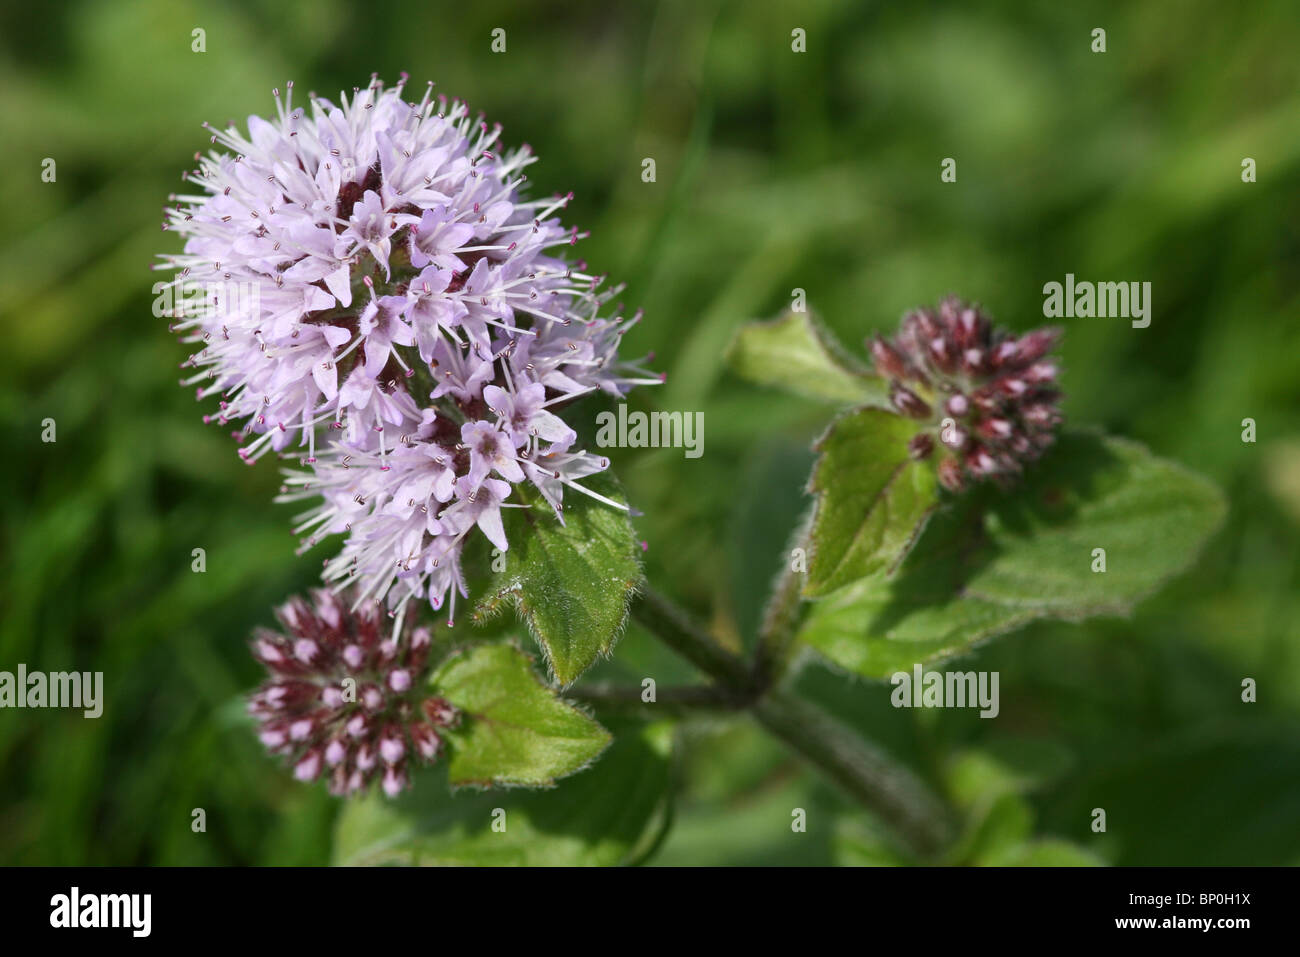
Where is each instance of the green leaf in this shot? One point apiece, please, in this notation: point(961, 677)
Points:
point(1155, 797)
point(860, 841)
point(996, 560)
point(1043, 852)
point(751, 828)
point(999, 823)
point(995, 827)
point(613, 813)
point(1006, 764)
point(570, 583)
point(514, 730)
point(1001, 835)
point(796, 353)
point(872, 499)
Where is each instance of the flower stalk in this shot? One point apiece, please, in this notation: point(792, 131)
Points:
point(916, 817)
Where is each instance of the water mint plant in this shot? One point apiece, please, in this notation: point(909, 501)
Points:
point(370, 294)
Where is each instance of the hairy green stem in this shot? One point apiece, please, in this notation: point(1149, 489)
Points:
point(780, 623)
point(917, 818)
point(861, 769)
point(679, 631)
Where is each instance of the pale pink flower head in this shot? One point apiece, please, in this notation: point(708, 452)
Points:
point(365, 283)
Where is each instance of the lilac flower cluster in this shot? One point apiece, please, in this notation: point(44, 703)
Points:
point(989, 398)
point(412, 327)
point(344, 701)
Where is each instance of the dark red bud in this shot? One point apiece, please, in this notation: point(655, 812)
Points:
point(1041, 415)
point(426, 740)
point(1006, 465)
point(979, 462)
point(1005, 353)
point(995, 429)
point(928, 326)
point(942, 355)
point(441, 712)
point(1040, 372)
point(339, 781)
point(888, 361)
point(366, 758)
point(372, 697)
point(1012, 387)
point(1034, 345)
point(986, 399)
point(909, 403)
point(950, 476)
point(308, 767)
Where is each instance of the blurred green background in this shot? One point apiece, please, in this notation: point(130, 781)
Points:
point(776, 170)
